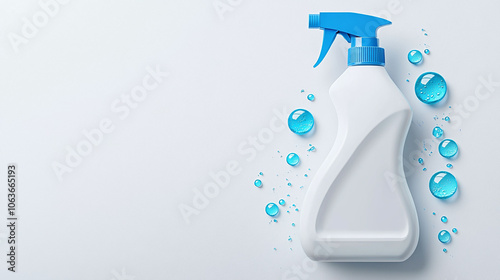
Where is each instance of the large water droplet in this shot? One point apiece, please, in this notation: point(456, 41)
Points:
point(443, 184)
point(444, 236)
point(272, 209)
point(415, 56)
point(430, 87)
point(292, 159)
point(448, 148)
point(437, 132)
point(300, 121)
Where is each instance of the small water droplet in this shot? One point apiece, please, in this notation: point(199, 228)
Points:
point(282, 202)
point(434, 213)
point(444, 236)
point(305, 175)
point(272, 209)
point(312, 149)
point(300, 121)
point(449, 165)
point(258, 183)
point(289, 238)
point(289, 184)
point(426, 51)
point(302, 90)
point(437, 132)
point(447, 118)
point(425, 169)
point(444, 250)
point(430, 83)
point(260, 173)
point(310, 97)
point(448, 148)
point(421, 160)
point(292, 159)
point(443, 184)
point(415, 57)
point(444, 219)
point(293, 224)
point(454, 230)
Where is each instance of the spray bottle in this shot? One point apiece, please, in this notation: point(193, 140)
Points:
point(358, 207)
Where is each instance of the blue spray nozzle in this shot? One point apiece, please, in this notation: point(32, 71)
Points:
point(351, 25)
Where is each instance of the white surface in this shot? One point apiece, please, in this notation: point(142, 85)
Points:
point(117, 213)
point(358, 207)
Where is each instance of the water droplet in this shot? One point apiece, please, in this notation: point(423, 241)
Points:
point(292, 159)
point(449, 165)
point(258, 183)
point(289, 238)
point(310, 97)
point(447, 118)
point(282, 202)
point(312, 149)
point(421, 160)
point(260, 173)
point(454, 230)
point(425, 169)
point(437, 132)
point(444, 250)
point(272, 209)
point(444, 236)
point(415, 56)
point(426, 51)
point(407, 80)
point(289, 184)
point(443, 184)
point(430, 83)
point(293, 224)
point(275, 249)
point(448, 148)
point(300, 121)
point(434, 213)
point(444, 219)
point(305, 175)
point(302, 90)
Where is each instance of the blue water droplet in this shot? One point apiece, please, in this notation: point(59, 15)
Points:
point(454, 230)
point(444, 250)
point(444, 236)
point(258, 183)
point(449, 165)
point(425, 169)
point(426, 51)
point(421, 160)
point(289, 238)
point(443, 184)
point(430, 87)
point(293, 224)
point(434, 213)
point(292, 159)
point(448, 148)
point(282, 202)
point(312, 149)
point(272, 209)
point(447, 118)
point(407, 80)
point(437, 132)
point(300, 121)
point(310, 97)
point(415, 56)
point(444, 219)
point(289, 184)
point(305, 175)
point(260, 173)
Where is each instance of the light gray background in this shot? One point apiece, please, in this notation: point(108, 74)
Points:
point(116, 216)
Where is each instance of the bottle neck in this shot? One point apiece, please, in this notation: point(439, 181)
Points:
point(365, 51)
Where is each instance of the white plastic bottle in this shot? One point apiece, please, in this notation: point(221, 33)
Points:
point(358, 207)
